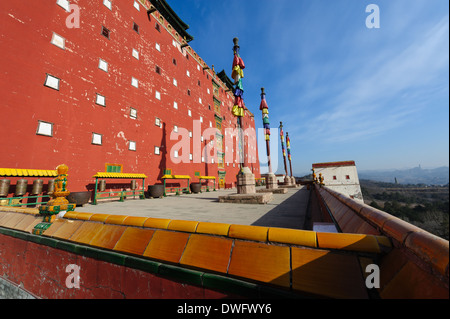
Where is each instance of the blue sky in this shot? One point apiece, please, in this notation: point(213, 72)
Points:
point(379, 97)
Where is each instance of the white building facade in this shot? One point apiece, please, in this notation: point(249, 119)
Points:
point(341, 177)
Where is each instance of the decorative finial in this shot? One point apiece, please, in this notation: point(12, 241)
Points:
point(262, 91)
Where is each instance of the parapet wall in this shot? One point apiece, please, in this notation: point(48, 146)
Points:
point(140, 257)
point(417, 266)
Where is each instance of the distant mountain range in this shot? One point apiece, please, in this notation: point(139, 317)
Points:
point(416, 175)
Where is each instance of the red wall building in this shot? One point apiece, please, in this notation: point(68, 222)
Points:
point(109, 92)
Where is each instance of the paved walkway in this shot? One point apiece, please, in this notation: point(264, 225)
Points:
point(285, 210)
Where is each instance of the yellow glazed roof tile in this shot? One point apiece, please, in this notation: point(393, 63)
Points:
point(293, 236)
point(257, 233)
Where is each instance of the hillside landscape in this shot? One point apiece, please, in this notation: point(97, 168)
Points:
point(424, 206)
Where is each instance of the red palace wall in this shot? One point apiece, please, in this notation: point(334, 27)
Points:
point(28, 55)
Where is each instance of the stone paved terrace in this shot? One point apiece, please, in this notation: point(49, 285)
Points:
point(285, 210)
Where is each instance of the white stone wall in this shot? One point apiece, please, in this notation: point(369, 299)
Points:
point(343, 179)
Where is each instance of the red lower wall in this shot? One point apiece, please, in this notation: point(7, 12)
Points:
point(42, 271)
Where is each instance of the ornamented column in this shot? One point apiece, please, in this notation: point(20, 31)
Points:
point(245, 178)
point(287, 180)
point(271, 182)
point(288, 145)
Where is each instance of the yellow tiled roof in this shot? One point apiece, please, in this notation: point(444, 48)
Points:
point(118, 175)
point(207, 177)
point(17, 172)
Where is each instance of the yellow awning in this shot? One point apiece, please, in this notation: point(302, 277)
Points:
point(20, 172)
point(176, 177)
point(207, 177)
point(118, 175)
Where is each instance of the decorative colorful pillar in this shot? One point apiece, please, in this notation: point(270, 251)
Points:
point(245, 178)
point(288, 145)
point(271, 182)
point(287, 180)
point(56, 205)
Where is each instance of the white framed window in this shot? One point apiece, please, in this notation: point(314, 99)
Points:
point(64, 4)
point(135, 54)
point(198, 67)
point(96, 139)
point(103, 65)
point(157, 151)
point(52, 82)
point(191, 157)
point(134, 82)
point(175, 129)
point(190, 113)
point(209, 92)
point(175, 82)
point(107, 3)
point(158, 47)
point(100, 100)
point(59, 41)
point(133, 113)
point(200, 100)
point(175, 105)
point(187, 73)
point(158, 121)
point(175, 154)
point(132, 146)
point(158, 95)
point(136, 5)
point(44, 128)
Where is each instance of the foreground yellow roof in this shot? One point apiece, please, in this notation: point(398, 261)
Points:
point(14, 172)
point(118, 175)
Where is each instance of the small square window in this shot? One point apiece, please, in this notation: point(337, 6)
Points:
point(107, 3)
point(134, 82)
point(58, 41)
point(334, 177)
point(136, 5)
point(198, 82)
point(189, 92)
point(157, 151)
point(158, 47)
point(132, 146)
point(158, 95)
point(157, 27)
point(133, 113)
point(100, 100)
point(158, 69)
point(347, 176)
point(96, 139)
point(135, 27)
point(158, 122)
point(44, 128)
point(175, 129)
point(52, 82)
point(174, 61)
point(103, 65)
point(175, 105)
point(105, 32)
point(64, 4)
point(135, 54)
